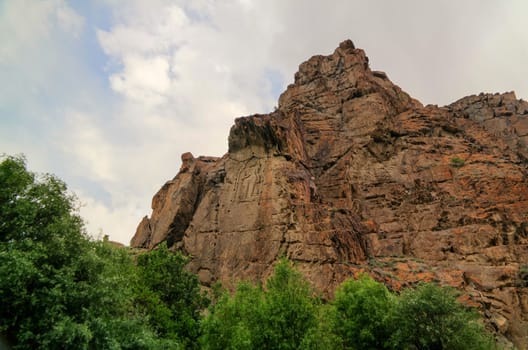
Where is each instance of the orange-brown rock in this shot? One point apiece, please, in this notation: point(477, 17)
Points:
point(351, 174)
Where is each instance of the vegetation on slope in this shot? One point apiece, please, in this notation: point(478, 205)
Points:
point(59, 289)
point(287, 314)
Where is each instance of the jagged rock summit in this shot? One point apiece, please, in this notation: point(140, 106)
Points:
point(351, 174)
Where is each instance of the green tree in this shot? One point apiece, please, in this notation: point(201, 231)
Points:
point(290, 308)
point(430, 317)
point(40, 235)
point(170, 295)
point(361, 310)
point(280, 316)
point(323, 336)
point(58, 288)
point(234, 321)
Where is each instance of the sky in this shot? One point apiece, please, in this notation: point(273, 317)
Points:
point(107, 94)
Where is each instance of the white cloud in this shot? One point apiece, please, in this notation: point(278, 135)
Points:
point(15, 36)
point(144, 80)
point(116, 221)
point(69, 20)
point(87, 147)
point(143, 28)
point(25, 23)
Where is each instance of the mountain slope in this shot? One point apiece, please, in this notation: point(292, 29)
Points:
point(351, 174)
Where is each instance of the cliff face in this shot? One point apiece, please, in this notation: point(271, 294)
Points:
point(351, 174)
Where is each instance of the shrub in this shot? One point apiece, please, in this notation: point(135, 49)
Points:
point(430, 317)
point(170, 295)
point(278, 317)
point(362, 308)
point(457, 162)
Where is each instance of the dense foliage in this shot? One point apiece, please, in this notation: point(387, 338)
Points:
point(59, 289)
point(429, 317)
point(278, 317)
point(170, 296)
point(363, 315)
point(362, 312)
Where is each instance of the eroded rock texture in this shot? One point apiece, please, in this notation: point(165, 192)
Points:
point(351, 174)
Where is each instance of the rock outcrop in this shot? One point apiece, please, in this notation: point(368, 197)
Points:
point(351, 174)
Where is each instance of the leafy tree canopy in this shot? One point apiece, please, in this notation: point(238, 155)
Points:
point(61, 290)
point(279, 316)
point(362, 310)
point(430, 317)
point(363, 315)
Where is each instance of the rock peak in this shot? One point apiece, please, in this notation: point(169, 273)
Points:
point(346, 44)
point(345, 71)
point(350, 175)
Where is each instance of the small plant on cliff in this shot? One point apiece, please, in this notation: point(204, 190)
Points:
point(457, 162)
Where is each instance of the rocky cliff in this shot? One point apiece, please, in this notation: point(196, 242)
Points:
point(351, 174)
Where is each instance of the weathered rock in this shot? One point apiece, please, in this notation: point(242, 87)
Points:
point(501, 114)
point(351, 174)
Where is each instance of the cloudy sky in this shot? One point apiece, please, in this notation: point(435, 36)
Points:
point(107, 94)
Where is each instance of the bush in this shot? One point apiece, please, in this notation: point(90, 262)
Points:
point(170, 295)
point(430, 317)
point(363, 315)
point(362, 309)
point(234, 320)
point(457, 162)
point(279, 317)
